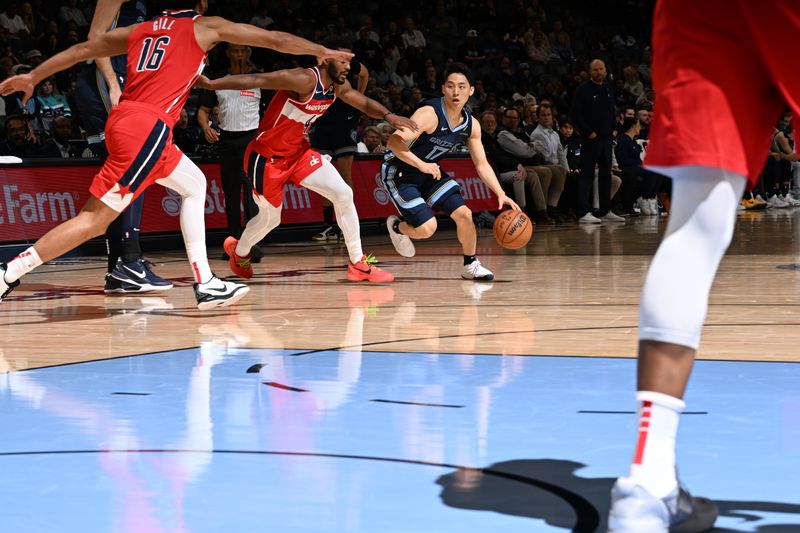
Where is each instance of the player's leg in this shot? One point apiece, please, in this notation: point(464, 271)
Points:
point(327, 182)
point(188, 181)
point(452, 203)
point(673, 308)
point(266, 178)
point(418, 220)
point(91, 222)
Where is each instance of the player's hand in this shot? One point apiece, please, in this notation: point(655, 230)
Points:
point(432, 169)
point(337, 55)
point(211, 135)
point(401, 123)
point(502, 200)
point(202, 82)
point(114, 94)
point(22, 83)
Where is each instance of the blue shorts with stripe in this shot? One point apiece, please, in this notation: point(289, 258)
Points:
point(417, 196)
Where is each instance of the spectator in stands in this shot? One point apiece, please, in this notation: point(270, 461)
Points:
point(71, 12)
point(415, 98)
point(367, 51)
point(636, 178)
point(49, 104)
point(261, 18)
point(478, 96)
point(185, 135)
point(514, 43)
point(386, 130)
point(20, 140)
point(366, 22)
point(644, 66)
point(558, 35)
point(593, 112)
point(545, 141)
point(403, 77)
point(11, 20)
point(31, 20)
point(58, 146)
point(371, 142)
point(516, 143)
point(412, 37)
point(34, 58)
point(633, 82)
point(430, 87)
point(472, 53)
point(626, 111)
point(644, 116)
point(510, 171)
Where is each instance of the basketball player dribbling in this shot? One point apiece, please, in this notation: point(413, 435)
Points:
point(723, 71)
point(281, 153)
point(165, 57)
point(414, 180)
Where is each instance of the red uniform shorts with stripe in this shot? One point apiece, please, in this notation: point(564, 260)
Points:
point(269, 174)
point(723, 71)
point(140, 151)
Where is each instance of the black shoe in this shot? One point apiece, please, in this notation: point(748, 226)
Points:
point(256, 254)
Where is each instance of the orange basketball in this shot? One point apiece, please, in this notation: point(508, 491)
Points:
point(512, 229)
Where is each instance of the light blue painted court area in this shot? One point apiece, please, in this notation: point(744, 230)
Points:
point(377, 442)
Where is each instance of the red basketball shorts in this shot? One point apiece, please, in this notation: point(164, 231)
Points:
point(140, 151)
point(269, 174)
point(723, 71)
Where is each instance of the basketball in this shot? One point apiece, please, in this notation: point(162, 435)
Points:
point(512, 229)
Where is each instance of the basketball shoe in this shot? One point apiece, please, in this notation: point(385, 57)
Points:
point(477, 272)
point(134, 276)
point(366, 270)
point(218, 293)
point(634, 510)
point(5, 287)
point(402, 243)
point(241, 266)
point(329, 234)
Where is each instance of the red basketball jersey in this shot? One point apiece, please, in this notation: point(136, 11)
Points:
point(164, 61)
point(283, 128)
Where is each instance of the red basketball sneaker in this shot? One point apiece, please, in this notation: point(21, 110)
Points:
point(366, 270)
point(240, 266)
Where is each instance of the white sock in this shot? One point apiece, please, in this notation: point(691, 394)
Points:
point(653, 464)
point(188, 181)
point(22, 264)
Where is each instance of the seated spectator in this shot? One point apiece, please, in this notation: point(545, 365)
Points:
point(34, 58)
point(261, 18)
point(371, 143)
point(19, 139)
point(509, 169)
point(368, 51)
point(547, 142)
point(11, 20)
point(58, 146)
point(517, 143)
point(49, 104)
point(412, 37)
point(635, 178)
point(644, 116)
point(403, 77)
point(386, 130)
point(429, 86)
point(471, 52)
point(71, 12)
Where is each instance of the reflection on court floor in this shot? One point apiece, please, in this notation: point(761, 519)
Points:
point(225, 438)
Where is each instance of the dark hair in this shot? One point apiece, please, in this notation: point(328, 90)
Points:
point(628, 123)
point(9, 118)
point(458, 68)
point(543, 106)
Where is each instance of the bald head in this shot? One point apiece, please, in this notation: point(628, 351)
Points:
point(597, 71)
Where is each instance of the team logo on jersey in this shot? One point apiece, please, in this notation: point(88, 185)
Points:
point(314, 161)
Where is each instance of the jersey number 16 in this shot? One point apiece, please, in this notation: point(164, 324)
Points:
point(152, 53)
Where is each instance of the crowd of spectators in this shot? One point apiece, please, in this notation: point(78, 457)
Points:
point(528, 56)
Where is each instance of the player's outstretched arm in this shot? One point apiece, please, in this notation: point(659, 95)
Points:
point(484, 168)
point(103, 19)
point(296, 80)
point(374, 109)
point(425, 117)
point(109, 44)
point(236, 33)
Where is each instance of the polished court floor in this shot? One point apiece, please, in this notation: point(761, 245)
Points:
point(431, 404)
